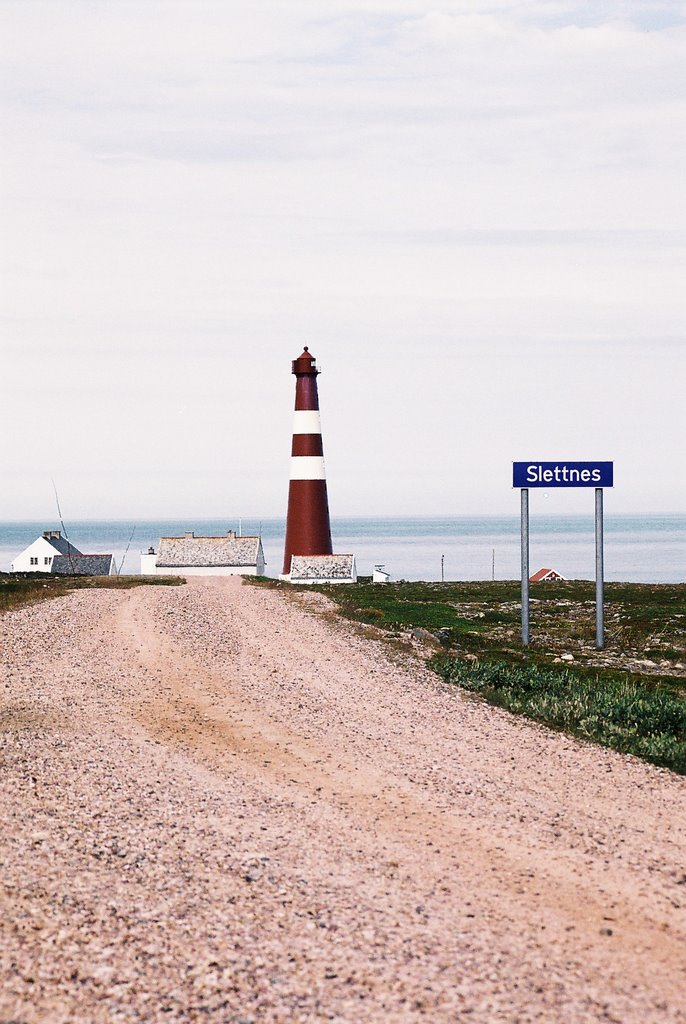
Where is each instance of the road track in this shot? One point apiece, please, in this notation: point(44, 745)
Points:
point(223, 804)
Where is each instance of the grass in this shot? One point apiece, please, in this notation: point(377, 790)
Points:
point(642, 620)
point(611, 697)
point(627, 715)
point(431, 606)
point(19, 589)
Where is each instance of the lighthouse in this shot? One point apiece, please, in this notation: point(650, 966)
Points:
point(308, 530)
point(308, 552)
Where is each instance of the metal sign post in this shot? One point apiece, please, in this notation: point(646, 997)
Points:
point(564, 474)
point(599, 572)
point(525, 565)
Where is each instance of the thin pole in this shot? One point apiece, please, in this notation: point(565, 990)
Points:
point(125, 553)
point(599, 572)
point(442, 572)
point(525, 566)
point(66, 535)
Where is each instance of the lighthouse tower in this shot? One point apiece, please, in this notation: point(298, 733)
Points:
point(308, 530)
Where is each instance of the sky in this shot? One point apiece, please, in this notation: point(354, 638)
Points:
point(472, 213)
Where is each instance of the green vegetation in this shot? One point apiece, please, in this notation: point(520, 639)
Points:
point(17, 589)
point(485, 617)
point(630, 696)
point(453, 607)
point(627, 715)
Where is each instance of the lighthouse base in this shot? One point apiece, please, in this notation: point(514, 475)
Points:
point(308, 569)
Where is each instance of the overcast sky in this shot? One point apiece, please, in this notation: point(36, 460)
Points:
point(472, 212)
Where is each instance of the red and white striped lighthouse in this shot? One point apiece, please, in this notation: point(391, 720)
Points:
point(308, 530)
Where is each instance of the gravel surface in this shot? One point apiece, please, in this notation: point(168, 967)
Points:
point(220, 804)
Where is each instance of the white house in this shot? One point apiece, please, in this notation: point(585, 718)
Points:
point(53, 553)
point(205, 556)
point(322, 569)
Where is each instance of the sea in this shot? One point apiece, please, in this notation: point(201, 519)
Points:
point(638, 549)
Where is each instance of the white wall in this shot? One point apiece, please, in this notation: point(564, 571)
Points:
point(197, 570)
point(148, 567)
point(307, 583)
point(40, 549)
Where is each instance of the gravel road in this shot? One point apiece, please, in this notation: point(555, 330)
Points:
point(221, 804)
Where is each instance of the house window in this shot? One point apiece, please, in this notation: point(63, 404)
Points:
point(34, 560)
point(47, 560)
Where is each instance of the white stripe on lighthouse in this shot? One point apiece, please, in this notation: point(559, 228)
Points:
point(307, 422)
point(307, 467)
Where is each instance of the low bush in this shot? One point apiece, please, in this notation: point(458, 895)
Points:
point(629, 716)
point(17, 589)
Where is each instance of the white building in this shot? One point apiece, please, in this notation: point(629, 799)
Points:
point(53, 553)
point(380, 574)
point(322, 569)
point(205, 556)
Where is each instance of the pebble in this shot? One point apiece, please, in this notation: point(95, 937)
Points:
point(244, 812)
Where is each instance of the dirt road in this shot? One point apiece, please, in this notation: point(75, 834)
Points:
point(220, 806)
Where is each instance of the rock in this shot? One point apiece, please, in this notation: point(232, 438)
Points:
point(425, 637)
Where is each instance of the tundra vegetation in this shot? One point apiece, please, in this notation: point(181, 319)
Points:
point(17, 589)
point(631, 696)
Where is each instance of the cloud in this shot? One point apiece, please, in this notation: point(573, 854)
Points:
point(193, 190)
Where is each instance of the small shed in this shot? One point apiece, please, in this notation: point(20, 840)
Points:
point(544, 575)
point(380, 575)
point(189, 555)
point(322, 569)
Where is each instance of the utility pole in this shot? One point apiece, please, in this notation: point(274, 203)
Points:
point(442, 572)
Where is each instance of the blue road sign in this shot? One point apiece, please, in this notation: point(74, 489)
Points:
point(562, 474)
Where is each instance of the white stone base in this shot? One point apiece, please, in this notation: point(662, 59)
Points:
point(150, 569)
point(309, 582)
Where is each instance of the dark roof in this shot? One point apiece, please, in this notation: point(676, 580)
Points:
point(61, 544)
point(82, 565)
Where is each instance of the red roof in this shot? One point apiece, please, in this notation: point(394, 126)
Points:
point(545, 574)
